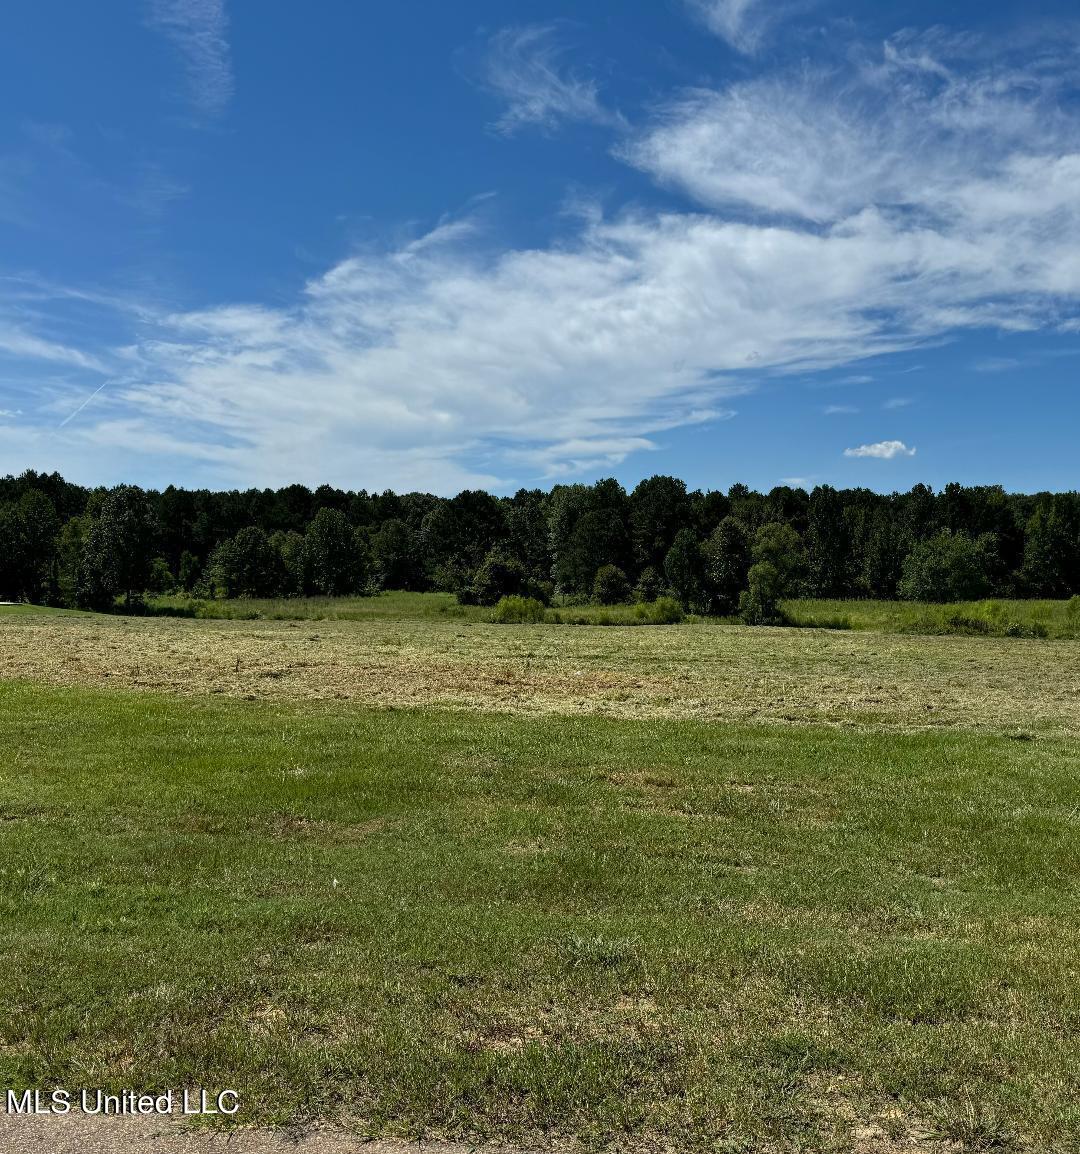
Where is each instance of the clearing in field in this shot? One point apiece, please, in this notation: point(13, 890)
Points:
point(694, 886)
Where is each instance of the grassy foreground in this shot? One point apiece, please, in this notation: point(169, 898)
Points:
point(729, 937)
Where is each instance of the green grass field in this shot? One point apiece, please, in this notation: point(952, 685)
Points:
point(527, 919)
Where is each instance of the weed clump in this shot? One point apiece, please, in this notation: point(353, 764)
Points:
point(662, 611)
point(517, 610)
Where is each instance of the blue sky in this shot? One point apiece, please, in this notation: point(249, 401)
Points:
point(430, 245)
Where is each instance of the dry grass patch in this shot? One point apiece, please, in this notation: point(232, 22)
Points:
point(706, 671)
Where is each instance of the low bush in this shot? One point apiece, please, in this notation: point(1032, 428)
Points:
point(1026, 629)
point(650, 585)
point(515, 610)
point(662, 611)
point(610, 586)
point(760, 603)
point(965, 624)
point(971, 622)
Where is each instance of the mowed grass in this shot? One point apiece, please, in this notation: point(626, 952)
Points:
point(697, 935)
point(705, 670)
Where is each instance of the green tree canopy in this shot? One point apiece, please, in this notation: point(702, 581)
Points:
point(948, 567)
point(684, 568)
point(726, 557)
point(29, 528)
point(396, 558)
point(120, 547)
point(781, 547)
point(332, 558)
point(245, 566)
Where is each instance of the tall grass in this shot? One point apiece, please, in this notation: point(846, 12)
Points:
point(395, 605)
point(662, 611)
point(1058, 620)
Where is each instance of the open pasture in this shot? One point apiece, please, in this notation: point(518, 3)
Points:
point(692, 886)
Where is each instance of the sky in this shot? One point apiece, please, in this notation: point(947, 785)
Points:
point(435, 246)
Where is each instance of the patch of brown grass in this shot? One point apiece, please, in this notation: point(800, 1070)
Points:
point(708, 671)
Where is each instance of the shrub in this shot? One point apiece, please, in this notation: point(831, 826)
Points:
point(663, 611)
point(780, 546)
point(515, 610)
point(760, 603)
point(541, 590)
point(610, 586)
point(161, 579)
point(1029, 629)
point(498, 576)
point(1073, 607)
point(649, 585)
point(966, 625)
point(190, 569)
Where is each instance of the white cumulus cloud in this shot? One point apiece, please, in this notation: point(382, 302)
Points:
point(882, 450)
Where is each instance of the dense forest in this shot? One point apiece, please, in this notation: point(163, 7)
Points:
point(716, 552)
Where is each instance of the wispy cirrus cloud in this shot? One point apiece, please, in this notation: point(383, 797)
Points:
point(744, 24)
point(957, 141)
point(996, 364)
point(18, 343)
point(199, 31)
point(525, 68)
point(881, 450)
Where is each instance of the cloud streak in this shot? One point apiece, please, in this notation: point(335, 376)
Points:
point(199, 31)
point(524, 68)
point(742, 23)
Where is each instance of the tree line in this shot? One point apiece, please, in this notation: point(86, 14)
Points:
point(716, 552)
